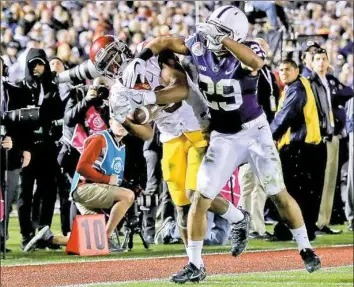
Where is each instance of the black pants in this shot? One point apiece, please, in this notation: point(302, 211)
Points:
point(303, 168)
point(43, 169)
point(10, 187)
point(67, 160)
point(154, 177)
point(155, 185)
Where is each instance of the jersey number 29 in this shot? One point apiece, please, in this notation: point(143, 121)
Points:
point(223, 95)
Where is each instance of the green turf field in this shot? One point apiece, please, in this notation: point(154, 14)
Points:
point(43, 256)
point(326, 277)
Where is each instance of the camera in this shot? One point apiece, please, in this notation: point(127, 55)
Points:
point(102, 92)
point(84, 71)
point(147, 200)
point(29, 115)
point(141, 199)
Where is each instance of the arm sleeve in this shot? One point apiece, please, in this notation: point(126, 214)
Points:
point(75, 111)
point(294, 100)
point(344, 93)
point(92, 150)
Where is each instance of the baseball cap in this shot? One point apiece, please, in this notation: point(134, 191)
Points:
point(309, 44)
point(36, 61)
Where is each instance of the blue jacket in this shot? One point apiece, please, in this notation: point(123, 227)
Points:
point(306, 72)
point(297, 118)
point(340, 94)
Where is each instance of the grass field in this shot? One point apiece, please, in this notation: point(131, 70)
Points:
point(243, 274)
point(42, 256)
point(327, 277)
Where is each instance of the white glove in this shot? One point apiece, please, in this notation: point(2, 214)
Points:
point(120, 107)
point(139, 98)
point(135, 68)
point(212, 33)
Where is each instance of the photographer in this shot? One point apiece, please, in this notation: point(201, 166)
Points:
point(86, 112)
point(102, 169)
point(64, 173)
point(38, 90)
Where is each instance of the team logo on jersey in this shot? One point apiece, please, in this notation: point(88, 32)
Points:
point(198, 49)
point(117, 165)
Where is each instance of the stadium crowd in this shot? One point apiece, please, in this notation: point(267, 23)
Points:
point(65, 31)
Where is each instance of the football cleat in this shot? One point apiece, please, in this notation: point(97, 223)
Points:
point(163, 234)
point(189, 273)
point(31, 245)
point(311, 260)
point(239, 234)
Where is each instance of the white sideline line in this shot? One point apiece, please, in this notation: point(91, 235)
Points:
point(222, 282)
point(82, 259)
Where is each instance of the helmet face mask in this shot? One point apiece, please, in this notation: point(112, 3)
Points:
point(231, 21)
point(219, 50)
point(108, 54)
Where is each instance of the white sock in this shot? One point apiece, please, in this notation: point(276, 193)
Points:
point(301, 238)
point(195, 252)
point(233, 214)
point(186, 247)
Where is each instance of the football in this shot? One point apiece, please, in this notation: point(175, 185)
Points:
point(143, 114)
point(146, 113)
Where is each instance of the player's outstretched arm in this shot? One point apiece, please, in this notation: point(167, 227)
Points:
point(153, 48)
point(159, 44)
point(176, 86)
point(244, 54)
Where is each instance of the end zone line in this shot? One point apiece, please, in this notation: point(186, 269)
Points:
point(82, 259)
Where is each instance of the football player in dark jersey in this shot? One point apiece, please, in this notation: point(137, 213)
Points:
point(227, 67)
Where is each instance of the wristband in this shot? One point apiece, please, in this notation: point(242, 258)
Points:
point(145, 54)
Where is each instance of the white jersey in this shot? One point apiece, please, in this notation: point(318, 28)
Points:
point(184, 119)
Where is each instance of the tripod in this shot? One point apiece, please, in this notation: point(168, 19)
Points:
point(133, 226)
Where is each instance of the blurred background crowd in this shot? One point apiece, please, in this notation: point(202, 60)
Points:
point(66, 29)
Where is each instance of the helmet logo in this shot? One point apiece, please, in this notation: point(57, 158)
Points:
point(99, 55)
point(198, 49)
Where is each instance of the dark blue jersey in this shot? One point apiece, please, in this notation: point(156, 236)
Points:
point(230, 91)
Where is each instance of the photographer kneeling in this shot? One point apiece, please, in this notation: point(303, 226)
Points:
point(102, 171)
point(98, 180)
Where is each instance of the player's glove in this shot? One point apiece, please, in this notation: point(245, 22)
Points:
point(212, 33)
point(139, 98)
point(135, 68)
point(120, 107)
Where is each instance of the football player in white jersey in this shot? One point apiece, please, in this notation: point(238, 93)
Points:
point(227, 68)
point(181, 125)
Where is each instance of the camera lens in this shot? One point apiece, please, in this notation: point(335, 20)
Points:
point(103, 92)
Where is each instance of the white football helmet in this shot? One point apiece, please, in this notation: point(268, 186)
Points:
point(230, 20)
